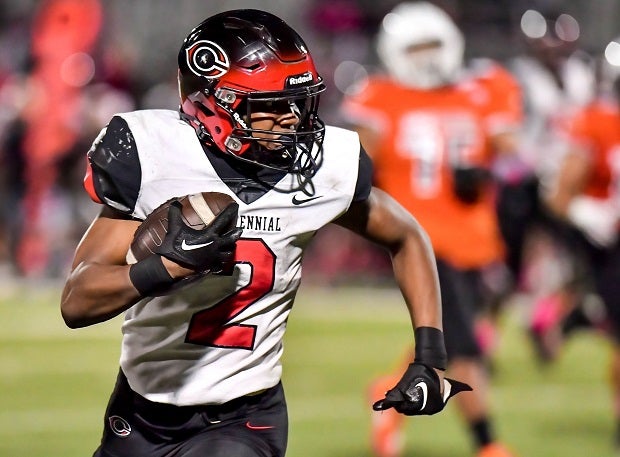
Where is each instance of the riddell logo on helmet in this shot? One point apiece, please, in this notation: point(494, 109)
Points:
point(299, 79)
point(239, 120)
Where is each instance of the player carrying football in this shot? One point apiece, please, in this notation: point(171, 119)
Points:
point(200, 365)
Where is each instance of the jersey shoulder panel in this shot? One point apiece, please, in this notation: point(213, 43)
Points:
point(341, 162)
point(369, 88)
point(593, 121)
point(491, 76)
point(113, 172)
point(173, 162)
point(365, 104)
point(498, 95)
point(341, 145)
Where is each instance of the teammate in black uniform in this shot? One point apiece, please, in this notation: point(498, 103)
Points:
point(200, 365)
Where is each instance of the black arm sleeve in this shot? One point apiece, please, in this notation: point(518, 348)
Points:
point(116, 167)
point(364, 177)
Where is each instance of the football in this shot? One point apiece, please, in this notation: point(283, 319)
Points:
point(198, 211)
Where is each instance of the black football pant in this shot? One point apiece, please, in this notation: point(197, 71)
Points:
point(462, 297)
point(605, 276)
point(251, 426)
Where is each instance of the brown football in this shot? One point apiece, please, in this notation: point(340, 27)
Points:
point(198, 211)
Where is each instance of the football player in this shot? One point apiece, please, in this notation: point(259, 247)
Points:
point(557, 79)
point(200, 365)
point(432, 129)
point(587, 197)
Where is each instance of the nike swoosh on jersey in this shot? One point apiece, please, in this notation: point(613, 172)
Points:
point(422, 385)
point(191, 247)
point(296, 201)
point(258, 427)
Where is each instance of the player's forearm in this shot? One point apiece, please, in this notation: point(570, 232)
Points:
point(382, 220)
point(416, 274)
point(95, 293)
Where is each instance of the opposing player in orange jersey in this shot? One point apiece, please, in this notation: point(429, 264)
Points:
point(587, 195)
point(433, 129)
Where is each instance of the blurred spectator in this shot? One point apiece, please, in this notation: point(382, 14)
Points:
point(433, 128)
point(49, 108)
point(64, 33)
point(14, 38)
point(342, 43)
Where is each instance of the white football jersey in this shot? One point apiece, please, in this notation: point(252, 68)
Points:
point(221, 337)
point(548, 106)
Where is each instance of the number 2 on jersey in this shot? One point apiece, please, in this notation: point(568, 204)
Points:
point(212, 327)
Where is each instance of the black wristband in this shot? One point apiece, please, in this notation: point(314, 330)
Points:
point(150, 275)
point(430, 348)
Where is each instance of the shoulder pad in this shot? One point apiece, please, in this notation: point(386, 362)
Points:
point(114, 175)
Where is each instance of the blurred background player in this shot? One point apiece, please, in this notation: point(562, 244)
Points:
point(433, 128)
point(587, 196)
point(557, 78)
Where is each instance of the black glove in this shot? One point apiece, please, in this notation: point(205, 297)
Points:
point(469, 183)
point(419, 393)
point(201, 250)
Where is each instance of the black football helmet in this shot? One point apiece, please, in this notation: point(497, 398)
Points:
point(236, 61)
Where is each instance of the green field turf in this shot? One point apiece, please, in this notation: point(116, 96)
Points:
point(55, 382)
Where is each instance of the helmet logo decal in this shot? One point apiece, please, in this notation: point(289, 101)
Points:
point(296, 80)
point(205, 58)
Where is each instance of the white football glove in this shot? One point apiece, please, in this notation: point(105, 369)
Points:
point(596, 218)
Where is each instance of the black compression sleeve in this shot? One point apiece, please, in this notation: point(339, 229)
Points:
point(430, 348)
point(150, 275)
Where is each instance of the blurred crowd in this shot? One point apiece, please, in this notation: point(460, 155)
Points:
point(63, 74)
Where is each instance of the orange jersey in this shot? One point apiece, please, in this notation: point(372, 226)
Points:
point(422, 134)
point(597, 128)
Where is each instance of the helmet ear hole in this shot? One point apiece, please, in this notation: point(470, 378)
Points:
point(205, 110)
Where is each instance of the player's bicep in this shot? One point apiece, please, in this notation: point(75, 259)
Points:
point(107, 239)
point(380, 219)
